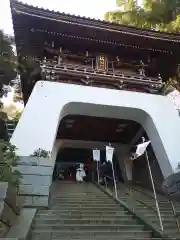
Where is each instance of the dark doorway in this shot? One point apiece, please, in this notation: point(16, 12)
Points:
point(68, 159)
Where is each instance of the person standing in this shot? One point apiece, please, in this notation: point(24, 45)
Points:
point(80, 173)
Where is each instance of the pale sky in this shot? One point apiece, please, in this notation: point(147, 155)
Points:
point(88, 8)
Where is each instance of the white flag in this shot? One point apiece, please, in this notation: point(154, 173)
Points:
point(109, 153)
point(96, 155)
point(141, 148)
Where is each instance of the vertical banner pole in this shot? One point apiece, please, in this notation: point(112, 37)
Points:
point(98, 170)
point(115, 186)
point(109, 157)
point(154, 190)
point(96, 158)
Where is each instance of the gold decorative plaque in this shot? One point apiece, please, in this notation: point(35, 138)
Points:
point(101, 63)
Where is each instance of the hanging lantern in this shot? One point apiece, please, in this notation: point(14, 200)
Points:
point(87, 53)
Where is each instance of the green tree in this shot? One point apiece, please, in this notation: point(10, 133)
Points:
point(9, 160)
point(161, 15)
point(7, 60)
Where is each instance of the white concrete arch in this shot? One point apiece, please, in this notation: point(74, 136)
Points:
point(51, 101)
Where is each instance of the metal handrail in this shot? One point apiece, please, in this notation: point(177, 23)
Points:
point(146, 205)
point(5, 223)
point(175, 215)
point(147, 195)
point(172, 205)
point(15, 210)
point(105, 180)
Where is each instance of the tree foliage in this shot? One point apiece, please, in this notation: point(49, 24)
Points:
point(8, 160)
point(17, 116)
point(161, 15)
point(7, 60)
point(41, 153)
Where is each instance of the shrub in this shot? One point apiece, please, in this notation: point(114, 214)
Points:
point(41, 153)
point(8, 160)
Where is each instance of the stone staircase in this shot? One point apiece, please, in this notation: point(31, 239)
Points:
point(10, 126)
point(144, 203)
point(82, 211)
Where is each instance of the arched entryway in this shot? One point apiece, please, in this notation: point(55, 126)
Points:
point(50, 102)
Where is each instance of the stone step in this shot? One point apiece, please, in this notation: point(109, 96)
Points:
point(90, 204)
point(148, 201)
point(85, 217)
point(100, 202)
point(84, 211)
point(82, 216)
point(169, 208)
point(101, 233)
point(92, 207)
point(172, 233)
point(87, 227)
point(83, 221)
point(86, 199)
point(83, 197)
point(92, 238)
point(89, 208)
point(154, 215)
point(153, 204)
point(90, 214)
point(78, 192)
point(166, 212)
point(160, 202)
point(162, 212)
point(103, 200)
point(165, 220)
point(162, 207)
point(110, 218)
point(105, 238)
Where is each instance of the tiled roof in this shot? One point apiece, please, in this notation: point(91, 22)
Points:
point(102, 25)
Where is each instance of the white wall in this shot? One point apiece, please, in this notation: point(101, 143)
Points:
point(51, 101)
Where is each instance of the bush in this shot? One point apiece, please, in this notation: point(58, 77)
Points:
point(41, 153)
point(8, 160)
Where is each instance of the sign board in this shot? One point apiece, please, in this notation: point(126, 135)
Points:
point(101, 63)
point(109, 153)
point(96, 155)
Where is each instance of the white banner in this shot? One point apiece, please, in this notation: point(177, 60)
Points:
point(96, 155)
point(141, 148)
point(109, 153)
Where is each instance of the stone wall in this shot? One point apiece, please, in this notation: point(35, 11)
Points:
point(36, 183)
point(9, 208)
